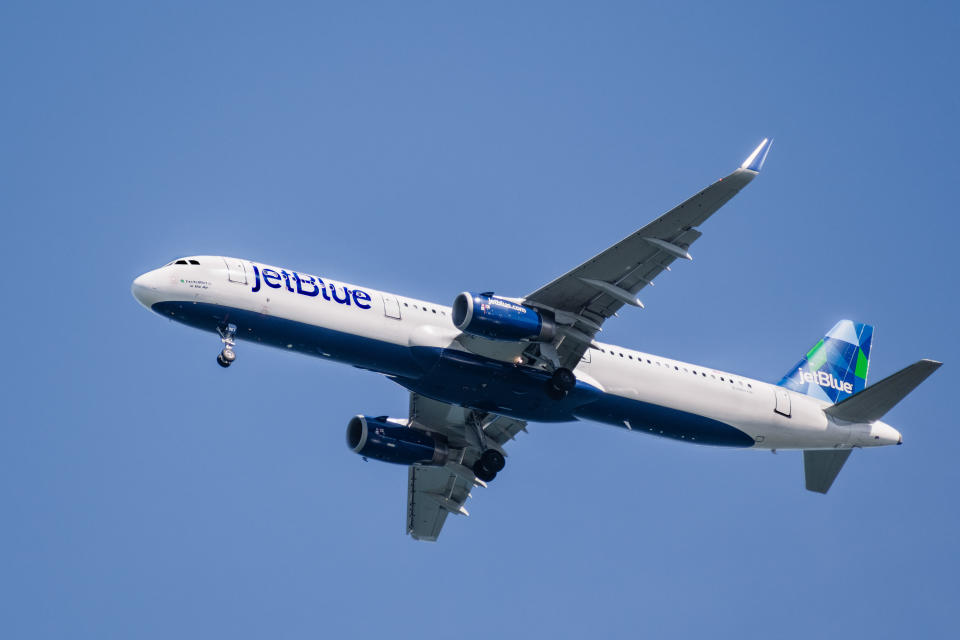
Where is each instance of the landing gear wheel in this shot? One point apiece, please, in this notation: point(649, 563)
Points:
point(493, 460)
point(227, 335)
point(482, 472)
point(489, 464)
point(561, 382)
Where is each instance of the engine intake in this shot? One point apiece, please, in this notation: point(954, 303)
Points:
point(488, 316)
point(386, 441)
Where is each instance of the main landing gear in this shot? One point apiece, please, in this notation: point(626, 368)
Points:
point(561, 383)
point(489, 464)
point(490, 461)
point(227, 337)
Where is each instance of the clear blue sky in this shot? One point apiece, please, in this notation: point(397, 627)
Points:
point(429, 148)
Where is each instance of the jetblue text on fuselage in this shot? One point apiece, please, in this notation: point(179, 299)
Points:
point(825, 379)
point(310, 286)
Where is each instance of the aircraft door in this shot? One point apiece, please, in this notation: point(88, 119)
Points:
point(391, 307)
point(236, 271)
point(782, 405)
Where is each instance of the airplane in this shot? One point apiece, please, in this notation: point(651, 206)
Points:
point(478, 371)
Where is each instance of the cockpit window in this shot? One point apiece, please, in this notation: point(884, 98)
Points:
point(194, 262)
point(181, 262)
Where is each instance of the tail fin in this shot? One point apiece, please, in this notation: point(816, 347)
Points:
point(836, 367)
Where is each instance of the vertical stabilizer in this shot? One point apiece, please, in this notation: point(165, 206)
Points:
point(836, 367)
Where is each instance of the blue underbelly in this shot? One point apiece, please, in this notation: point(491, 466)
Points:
point(366, 353)
point(458, 377)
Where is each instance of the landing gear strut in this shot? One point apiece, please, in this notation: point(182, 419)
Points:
point(489, 464)
point(227, 355)
point(561, 383)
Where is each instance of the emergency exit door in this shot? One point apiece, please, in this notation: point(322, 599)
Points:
point(391, 307)
point(236, 271)
point(782, 403)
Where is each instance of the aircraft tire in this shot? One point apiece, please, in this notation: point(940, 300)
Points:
point(482, 472)
point(493, 460)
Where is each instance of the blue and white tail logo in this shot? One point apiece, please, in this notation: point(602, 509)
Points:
point(836, 367)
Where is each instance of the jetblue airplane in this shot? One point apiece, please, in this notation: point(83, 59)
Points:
point(478, 371)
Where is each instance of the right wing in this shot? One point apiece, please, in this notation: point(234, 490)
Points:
point(589, 294)
point(435, 491)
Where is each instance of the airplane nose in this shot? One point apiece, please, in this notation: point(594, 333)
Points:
point(144, 289)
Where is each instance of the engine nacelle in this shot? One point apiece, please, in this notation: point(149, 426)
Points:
point(390, 442)
point(488, 316)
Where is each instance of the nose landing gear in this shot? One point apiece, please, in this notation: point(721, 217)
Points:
point(227, 335)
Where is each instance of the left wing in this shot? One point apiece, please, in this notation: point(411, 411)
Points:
point(435, 491)
point(585, 297)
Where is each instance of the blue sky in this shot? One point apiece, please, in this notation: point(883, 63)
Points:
point(431, 148)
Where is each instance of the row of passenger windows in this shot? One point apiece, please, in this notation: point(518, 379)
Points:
point(677, 368)
point(425, 309)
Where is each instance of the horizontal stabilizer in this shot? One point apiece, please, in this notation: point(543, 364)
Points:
point(873, 402)
point(821, 467)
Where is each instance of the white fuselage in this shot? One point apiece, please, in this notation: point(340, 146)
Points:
point(379, 331)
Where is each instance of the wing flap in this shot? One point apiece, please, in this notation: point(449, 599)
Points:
point(432, 493)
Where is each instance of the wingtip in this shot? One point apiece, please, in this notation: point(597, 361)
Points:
point(755, 161)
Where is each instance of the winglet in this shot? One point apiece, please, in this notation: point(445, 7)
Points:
point(755, 161)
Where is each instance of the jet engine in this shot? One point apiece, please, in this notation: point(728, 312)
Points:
point(381, 439)
point(489, 316)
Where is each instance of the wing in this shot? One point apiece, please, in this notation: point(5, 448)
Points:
point(585, 297)
point(435, 491)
